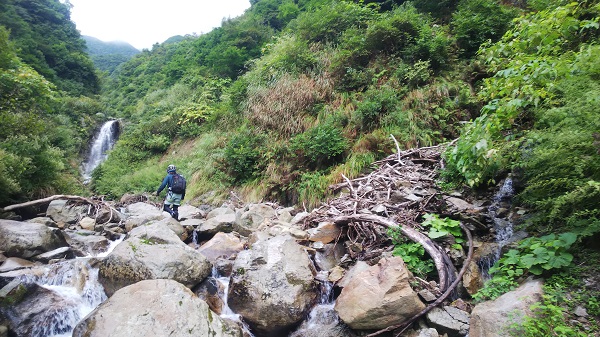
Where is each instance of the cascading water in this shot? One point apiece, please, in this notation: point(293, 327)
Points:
point(103, 142)
point(75, 292)
point(321, 316)
point(503, 227)
point(226, 311)
point(69, 291)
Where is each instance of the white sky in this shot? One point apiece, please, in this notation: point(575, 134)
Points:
point(145, 22)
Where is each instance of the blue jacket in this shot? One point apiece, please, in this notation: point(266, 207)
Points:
point(168, 181)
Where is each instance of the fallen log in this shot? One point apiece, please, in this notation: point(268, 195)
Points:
point(96, 203)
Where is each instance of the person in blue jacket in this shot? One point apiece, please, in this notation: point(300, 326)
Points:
point(172, 200)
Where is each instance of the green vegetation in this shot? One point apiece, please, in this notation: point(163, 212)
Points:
point(279, 103)
point(107, 56)
point(413, 254)
point(532, 256)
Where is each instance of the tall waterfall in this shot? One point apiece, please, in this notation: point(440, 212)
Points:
point(103, 142)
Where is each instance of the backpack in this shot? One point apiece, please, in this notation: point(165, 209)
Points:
point(178, 184)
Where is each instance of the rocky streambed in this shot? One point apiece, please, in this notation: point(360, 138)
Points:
point(254, 269)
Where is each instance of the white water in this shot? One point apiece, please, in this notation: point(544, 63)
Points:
point(226, 311)
point(103, 142)
point(322, 315)
point(76, 283)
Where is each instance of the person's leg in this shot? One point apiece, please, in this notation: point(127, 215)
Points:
point(175, 213)
point(167, 208)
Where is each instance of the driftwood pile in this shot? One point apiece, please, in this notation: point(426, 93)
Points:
point(400, 190)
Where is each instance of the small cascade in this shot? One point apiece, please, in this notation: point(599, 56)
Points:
point(503, 226)
point(74, 292)
point(322, 317)
point(226, 311)
point(103, 142)
point(195, 238)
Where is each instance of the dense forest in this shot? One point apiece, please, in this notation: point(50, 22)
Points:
point(107, 56)
point(292, 96)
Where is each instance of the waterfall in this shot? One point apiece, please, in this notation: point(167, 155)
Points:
point(103, 142)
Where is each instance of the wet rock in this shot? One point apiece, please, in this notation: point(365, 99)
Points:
point(483, 257)
point(493, 318)
point(86, 243)
point(152, 252)
point(223, 245)
point(218, 223)
point(211, 292)
point(37, 311)
point(25, 239)
point(336, 273)
point(378, 297)
point(325, 232)
point(272, 285)
point(161, 308)
point(330, 256)
point(56, 254)
point(15, 263)
point(449, 320)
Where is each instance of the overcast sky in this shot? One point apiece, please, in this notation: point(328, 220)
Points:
point(145, 22)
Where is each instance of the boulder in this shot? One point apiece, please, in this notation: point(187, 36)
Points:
point(449, 320)
point(44, 221)
point(277, 228)
point(356, 269)
point(36, 311)
point(255, 215)
point(176, 227)
point(152, 252)
point(272, 285)
point(58, 253)
point(141, 213)
point(330, 256)
point(63, 213)
point(378, 297)
point(15, 263)
point(325, 232)
point(218, 223)
point(223, 245)
point(160, 308)
point(483, 256)
point(87, 223)
point(25, 239)
point(109, 215)
point(190, 212)
point(219, 211)
point(86, 243)
point(211, 291)
point(493, 318)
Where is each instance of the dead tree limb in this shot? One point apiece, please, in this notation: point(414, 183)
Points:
point(430, 247)
point(404, 325)
point(48, 199)
point(98, 204)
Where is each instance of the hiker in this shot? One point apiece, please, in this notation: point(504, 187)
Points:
point(176, 191)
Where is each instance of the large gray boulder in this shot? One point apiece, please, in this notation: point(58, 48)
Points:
point(493, 318)
point(86, 243)
point(141, 213)
point(378, 297)
point(63, 213)
point(154, 308)
point(250, 220)
point(152, 252)
point(272, 285)
point(25, 239)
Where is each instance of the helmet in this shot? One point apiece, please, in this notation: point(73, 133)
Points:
point(171, 168)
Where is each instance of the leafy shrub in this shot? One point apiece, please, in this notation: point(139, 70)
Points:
point(320, 146)
point(443, 228)
point(242, 155)
point(375, 104)
point(412, 253)
point(477, 21)
point(533, 255)
point(312, 188)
